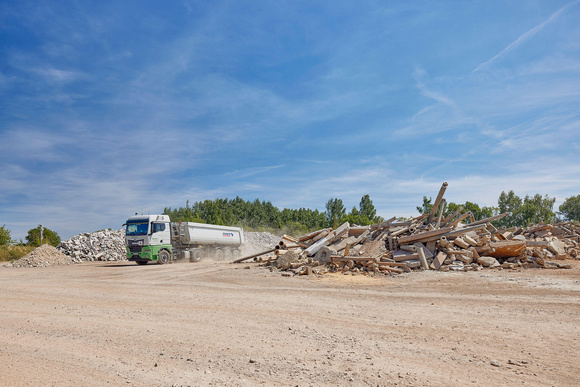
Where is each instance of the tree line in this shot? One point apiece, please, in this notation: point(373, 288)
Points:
point(259, 214)
point(264, 215)
point(522, 212)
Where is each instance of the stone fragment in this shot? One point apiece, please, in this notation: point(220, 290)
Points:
point(323, 255)
point(285, 261)
point(487, 261)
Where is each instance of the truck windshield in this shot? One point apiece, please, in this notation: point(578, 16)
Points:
point(137, 228)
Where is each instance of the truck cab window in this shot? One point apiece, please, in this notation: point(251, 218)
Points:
point(157, 227)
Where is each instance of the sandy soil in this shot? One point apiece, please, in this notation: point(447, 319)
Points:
point(220, 324)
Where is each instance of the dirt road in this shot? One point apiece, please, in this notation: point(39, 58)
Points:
point(220, 324)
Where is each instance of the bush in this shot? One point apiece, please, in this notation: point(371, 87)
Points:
point(5, 238)
point(12, 253)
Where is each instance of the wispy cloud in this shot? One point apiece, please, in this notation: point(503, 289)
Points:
point(525, 36)
point(53, 75)
point(106, 114)
point(249, 172)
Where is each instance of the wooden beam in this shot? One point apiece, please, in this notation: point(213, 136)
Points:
point(449, 218)
point(313, 249)
point(438, 261)
point(343, 228)
point(462, 217)
point(405, 257)
point(424, 236)
point(423, 259)
point(441, 210)
point(340, 258)
point(294, 240)
point(312, 234)
point(253, 256)
point(357, 231)
point(486, 220)
point(437, 201)
point(321, 235)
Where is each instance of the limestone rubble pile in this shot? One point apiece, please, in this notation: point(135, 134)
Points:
point(428, 242)
point(43, 256)
point(104, 245)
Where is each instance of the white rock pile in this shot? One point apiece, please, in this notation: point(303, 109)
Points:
point(104, 245)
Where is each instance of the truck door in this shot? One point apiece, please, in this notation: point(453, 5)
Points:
point(160, 234)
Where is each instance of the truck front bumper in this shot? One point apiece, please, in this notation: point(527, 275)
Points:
point(144, 255)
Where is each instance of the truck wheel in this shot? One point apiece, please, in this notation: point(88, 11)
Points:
point(219, 255)
point(195, 256)
point(237, 253)
point(163, 257)
point(228, 255)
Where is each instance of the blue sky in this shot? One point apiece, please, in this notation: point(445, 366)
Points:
point(111, 108)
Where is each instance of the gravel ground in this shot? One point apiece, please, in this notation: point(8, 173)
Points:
point(220, 324)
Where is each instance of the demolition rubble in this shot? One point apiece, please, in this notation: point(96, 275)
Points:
point(427, 242)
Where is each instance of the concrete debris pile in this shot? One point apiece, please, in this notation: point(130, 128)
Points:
point(43, 256)
point(427, 242)
point(104, 245)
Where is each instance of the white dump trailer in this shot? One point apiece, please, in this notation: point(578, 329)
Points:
point(154, 238)
point(198, 240)
point(209, 234)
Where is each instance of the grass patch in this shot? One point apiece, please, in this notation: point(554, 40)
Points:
point(12, 253)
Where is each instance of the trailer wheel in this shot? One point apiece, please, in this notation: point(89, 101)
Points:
point(237, 253)
point(163, 257)
point(219, 255)
point(228, 254)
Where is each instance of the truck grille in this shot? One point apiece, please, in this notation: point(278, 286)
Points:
point(135, 249)
point(135, 245)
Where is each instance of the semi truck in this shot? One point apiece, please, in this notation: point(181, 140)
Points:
point(154, 238)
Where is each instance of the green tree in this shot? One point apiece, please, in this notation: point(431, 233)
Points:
point(478, 212)
point(355, 217)
point(511, 203)
point(367, 209)
point(570, 209)
point(48, 236)
point(249, 214)
point(5, 237)
point(335, 211)
point(426, 207)
point(536, 209)
point(531, 210)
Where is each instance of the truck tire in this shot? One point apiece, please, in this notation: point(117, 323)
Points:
point(163, 257)
point(195, 255)
point(228, 254)
point(219, 255)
